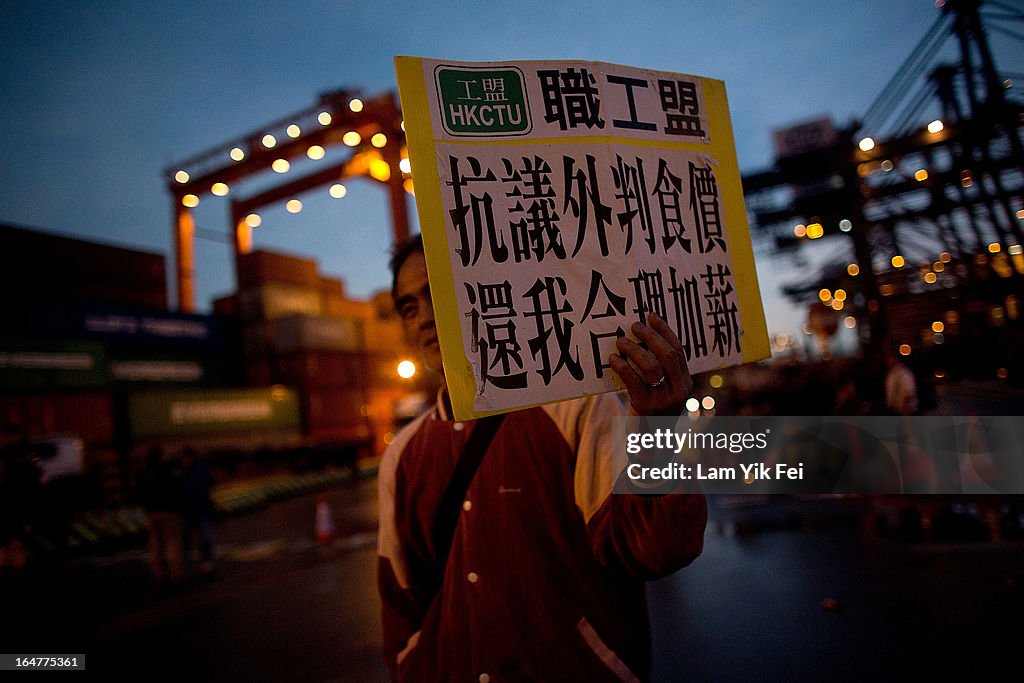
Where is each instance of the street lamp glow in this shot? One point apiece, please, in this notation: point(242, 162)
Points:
point(994, 248)
point(866, 145)
point(898, 261)
point(406, 369)
point(237, 154)
point(269, 141)
point(921, 175)
point(324, 118)
point(380, 170)
point(692, 405)
point(405, 166)
point(280, 166)
point(253, 220)
point(190, 200)
point(845, 225)
point(293, 131)
point(379, 140)
point(338, 191)
point(181, 177)
point(315, 152)
point(800, 230)
point(355, 104)
point(351, 138)
point(935, 126)
point(853, 270)
point(293, 206)
point(219, 189)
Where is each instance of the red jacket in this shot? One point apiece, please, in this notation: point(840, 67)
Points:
point(545, 577)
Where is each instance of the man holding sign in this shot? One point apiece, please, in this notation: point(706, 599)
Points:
point(584, 231)
point(541, 575)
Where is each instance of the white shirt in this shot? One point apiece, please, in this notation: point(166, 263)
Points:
point(901, 390)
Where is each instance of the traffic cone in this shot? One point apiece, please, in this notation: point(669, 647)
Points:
point(324, 522)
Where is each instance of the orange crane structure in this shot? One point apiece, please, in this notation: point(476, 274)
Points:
point(372, 129)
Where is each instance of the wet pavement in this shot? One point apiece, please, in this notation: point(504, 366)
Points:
point(785, 590)
point(834, 602)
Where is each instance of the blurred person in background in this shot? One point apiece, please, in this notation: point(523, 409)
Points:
point(848, 400)
point(20, 487)
point(197, 483)
point(160, 491)
point(900, 386)
point(537, 572)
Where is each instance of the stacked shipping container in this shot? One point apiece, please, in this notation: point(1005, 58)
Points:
point(299, 330)
point(88, 349)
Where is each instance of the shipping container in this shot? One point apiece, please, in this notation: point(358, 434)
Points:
point(261, 373)
point(340, 307)
point(152, 297)
point(157, 331)
point(129, 370)
point(355, 433)
point(323, 369)
point(273, 300)
point(87, 415)
point(51, 364)
point(316, 333)
point(257, 340)
point(261, 267)
point(384, 335)
point(330, 286)
point(334, 408)
point(199, 414)
point(127, 328)
point(226, 306)
point(45, 268)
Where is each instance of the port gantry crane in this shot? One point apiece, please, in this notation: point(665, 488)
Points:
point(928, 186)
point(370, 130)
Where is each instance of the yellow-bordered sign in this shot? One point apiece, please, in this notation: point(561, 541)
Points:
point(560, 201)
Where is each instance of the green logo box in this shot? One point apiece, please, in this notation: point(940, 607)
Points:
point(482, 102)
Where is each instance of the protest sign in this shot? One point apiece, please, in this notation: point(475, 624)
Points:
point(561, 201)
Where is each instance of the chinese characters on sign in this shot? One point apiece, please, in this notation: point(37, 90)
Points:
point(574, 197)
point(566, 100)
point(556, 253)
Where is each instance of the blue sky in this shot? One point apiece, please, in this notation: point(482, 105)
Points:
point(99, 97)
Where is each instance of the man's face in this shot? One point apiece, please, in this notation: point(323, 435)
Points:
point(412, 301)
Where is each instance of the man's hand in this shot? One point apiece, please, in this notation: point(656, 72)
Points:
point(653, 371)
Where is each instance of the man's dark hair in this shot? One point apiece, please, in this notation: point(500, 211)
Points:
point(401, 253)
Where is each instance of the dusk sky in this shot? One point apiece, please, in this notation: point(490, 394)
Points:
point(99, 97)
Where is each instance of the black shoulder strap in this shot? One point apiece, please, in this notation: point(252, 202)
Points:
point(451, 502)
